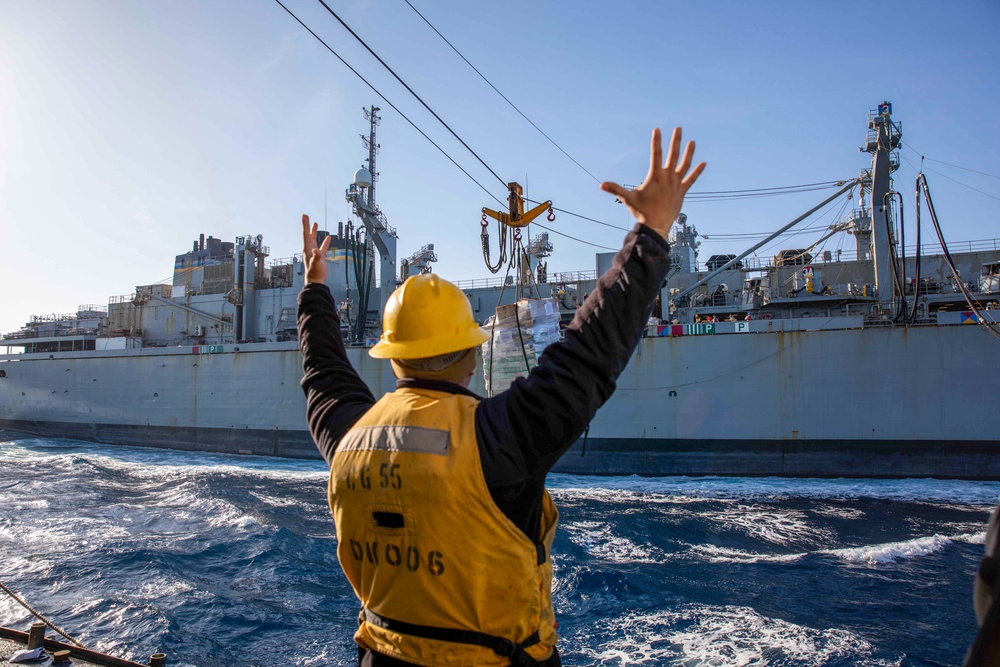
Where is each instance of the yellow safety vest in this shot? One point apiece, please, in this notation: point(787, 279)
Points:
point(422, 542)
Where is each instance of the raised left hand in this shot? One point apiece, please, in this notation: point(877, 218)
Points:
point(313, 256)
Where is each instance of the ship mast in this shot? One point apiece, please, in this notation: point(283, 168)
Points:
point(883, 139)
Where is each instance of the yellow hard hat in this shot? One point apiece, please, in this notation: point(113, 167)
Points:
point(427, 316)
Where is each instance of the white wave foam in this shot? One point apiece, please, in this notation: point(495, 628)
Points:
point(18, 502)
point(871, 555)
point(839, 512)
point(770, 524)
point(971, 538)
point(629, 499)
point(716, 554)
point(891, 551)
point(598, 540)
point(162, 464)
point(703, 635)
point(246, 522)
point(916, 490)
point(273, 501)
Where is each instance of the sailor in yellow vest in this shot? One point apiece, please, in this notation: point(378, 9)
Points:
point(444, 526)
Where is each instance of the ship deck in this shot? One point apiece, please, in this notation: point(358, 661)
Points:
point(12, 641)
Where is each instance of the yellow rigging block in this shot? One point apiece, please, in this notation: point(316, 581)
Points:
point(516, 216)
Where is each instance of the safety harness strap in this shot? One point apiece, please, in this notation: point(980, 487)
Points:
point(508, 649)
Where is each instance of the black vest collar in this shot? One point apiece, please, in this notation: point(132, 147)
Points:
point(435, 385)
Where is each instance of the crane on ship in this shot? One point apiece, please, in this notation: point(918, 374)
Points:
point(417, 263)
point(513, 252)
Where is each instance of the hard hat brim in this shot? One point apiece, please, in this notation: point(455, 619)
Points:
point(428, 348)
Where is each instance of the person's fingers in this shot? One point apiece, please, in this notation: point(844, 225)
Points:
point(686, 162)
point(614, 189)
point(655, 152)
point(305, 230)
point(693, 176)
point(325, 246)
point(675, 149)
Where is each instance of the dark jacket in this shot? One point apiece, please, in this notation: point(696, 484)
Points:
point(523, 431)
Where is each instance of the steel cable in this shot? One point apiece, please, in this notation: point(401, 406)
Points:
point(412, 92)
point(552, 141)
point(35, 613)
point(386, 100)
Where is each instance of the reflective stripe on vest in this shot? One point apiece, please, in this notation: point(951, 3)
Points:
point(422, 542)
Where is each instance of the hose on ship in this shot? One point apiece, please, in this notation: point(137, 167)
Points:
point(916, 264)
point(35, 613)
point(894, 262)
point(992, 327)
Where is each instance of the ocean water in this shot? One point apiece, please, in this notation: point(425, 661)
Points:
point(220, 560)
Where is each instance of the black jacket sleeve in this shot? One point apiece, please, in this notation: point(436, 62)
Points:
point(523, 431)
point(336, 396)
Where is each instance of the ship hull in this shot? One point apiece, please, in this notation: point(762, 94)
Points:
point(781, 398)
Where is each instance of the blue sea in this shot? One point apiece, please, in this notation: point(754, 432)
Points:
point(229, 561)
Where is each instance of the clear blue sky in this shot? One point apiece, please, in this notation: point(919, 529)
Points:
point(127, 128)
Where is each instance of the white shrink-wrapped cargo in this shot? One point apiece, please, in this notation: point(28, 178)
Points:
point(520, 331)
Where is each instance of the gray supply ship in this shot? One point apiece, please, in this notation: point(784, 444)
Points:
point(871, 363)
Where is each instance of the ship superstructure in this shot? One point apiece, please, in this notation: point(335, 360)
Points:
point(876, 362)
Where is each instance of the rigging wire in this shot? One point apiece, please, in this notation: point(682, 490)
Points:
point(596, 245)
point(829, 184)
point(815, 246)
point(930, 159)
point(986, 324)
point(840, 212)
point(483, 77)
point(755, 195)
point(422, 133)
point(746, 236)
point(577, 215)
point(912, 199)
point(955, 180)
point(703, 196)
point(762, 192)
point(412, 92)
point(386, 100)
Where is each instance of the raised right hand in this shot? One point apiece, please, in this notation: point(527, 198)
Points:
point(657, 202)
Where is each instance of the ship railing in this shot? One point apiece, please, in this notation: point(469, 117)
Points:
point(553, 279)
point(42, 319)
point(283, 261)
point(841, 255)
point(212, 288)
point(572, 276)
point(755, 263)
point(720, 300)
point(383, 223)
point(479, 283)
point(50, 333)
